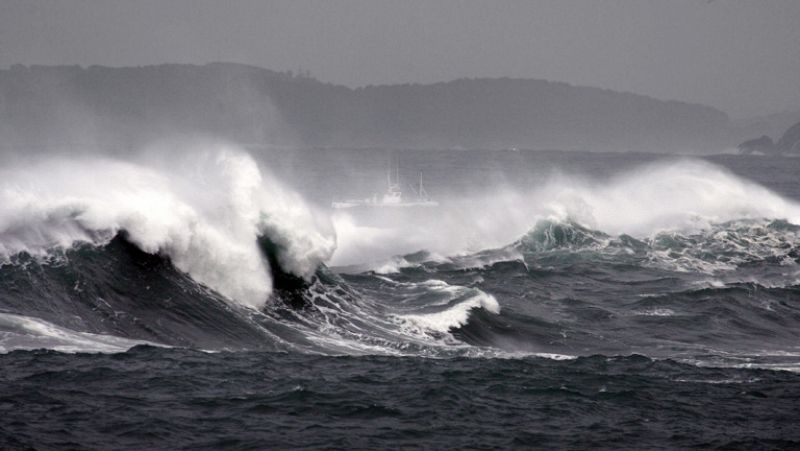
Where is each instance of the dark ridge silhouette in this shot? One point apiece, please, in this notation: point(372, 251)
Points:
point(769, 125)
point(788, 144)
point(763, 144)
point(122, 107)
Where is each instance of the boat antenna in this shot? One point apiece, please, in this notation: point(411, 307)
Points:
point(422, 193)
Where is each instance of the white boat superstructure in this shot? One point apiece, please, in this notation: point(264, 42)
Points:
point(393, 197)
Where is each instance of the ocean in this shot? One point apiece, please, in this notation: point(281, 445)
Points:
point(210, 298)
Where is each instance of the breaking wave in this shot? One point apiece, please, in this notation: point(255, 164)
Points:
point(679, 261)
point(681, 196)
point(204, 213)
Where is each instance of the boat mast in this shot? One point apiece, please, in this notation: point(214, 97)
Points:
point(393, 168)
point(397, 172)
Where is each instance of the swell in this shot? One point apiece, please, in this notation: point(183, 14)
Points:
point(182, 398)
point(737, 320)
point(565, 289)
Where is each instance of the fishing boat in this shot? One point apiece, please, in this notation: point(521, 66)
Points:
point(393, 197)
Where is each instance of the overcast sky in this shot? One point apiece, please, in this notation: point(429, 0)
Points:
point(740, 56)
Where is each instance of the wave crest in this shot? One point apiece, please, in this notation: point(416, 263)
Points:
point(205, 214)
point(720, 247)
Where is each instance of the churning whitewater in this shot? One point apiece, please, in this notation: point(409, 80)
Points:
point(212, 252)
point(204, 214)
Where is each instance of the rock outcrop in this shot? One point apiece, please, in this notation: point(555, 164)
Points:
point(788, 144)
point(763, 145)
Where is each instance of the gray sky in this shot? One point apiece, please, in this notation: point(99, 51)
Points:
point(740, 56)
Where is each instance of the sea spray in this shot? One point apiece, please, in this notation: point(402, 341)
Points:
point(677, 195)
point(204, 213)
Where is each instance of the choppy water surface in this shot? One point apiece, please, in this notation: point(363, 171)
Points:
point(552, 300)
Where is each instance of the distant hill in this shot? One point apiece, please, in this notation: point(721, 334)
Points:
point(46, 106)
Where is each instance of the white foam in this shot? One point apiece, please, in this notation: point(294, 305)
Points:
point(724, 247)
point(657, 312)
point(203, 211)
point(452, 317)
point(392, 265)
point(27, 333)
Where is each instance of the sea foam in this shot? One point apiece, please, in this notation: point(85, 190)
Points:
point(204, 212)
